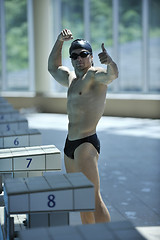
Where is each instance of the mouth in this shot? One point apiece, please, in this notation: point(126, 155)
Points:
point(79, 64)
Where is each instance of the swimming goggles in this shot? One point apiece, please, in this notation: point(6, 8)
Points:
point(83, 54)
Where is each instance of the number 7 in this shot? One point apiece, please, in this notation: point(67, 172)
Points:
point(30, 160)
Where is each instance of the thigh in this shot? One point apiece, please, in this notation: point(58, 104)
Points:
point(86, 161)
point(69, 164)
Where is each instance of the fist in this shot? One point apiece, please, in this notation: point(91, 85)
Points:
point(65, 35)
point(104, 56)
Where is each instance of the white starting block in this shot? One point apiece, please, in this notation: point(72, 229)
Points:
point(7, 114)
point(46, 194)
point(2, 100)
point(20, 138)
point(5, 105)
point(101, 231)
point(60, 192)
point(13, 124)
point(29, 161)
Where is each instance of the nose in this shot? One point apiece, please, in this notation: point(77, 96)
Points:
point(79, 57)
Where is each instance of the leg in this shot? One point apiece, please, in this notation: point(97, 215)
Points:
point(85, 161)
point(71, 166)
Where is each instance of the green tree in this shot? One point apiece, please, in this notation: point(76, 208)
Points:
point(16, 34)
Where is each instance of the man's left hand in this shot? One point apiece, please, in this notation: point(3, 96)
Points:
point(104, 56)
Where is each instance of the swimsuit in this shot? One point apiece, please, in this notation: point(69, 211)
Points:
point(70, 146)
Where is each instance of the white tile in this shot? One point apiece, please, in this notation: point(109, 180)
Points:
point(6, 176)
point(78, 179)
point(19, 153)
point(58, 181)
point(21, 132)
point(1, 142)
point(22, 124)
point(18, 203)
point(14, 150)
point(38, 220)
point(46, 148)
point(15, 186)
point(5, 154)
point(51, 149)
point(34, 174)
point(5, 116)
point(36, 150)
point(51, 201)
point(5, 151)
point(36, 162)
point(35, 140)
point(33, 131)
point(37, 184)
point(40, 234)
point(53, 162)
point(14, 114)
point(96, 231)
point(16, 141)
point(5, 164)
point(31, 148)
point(65, 232)
point(84, 198)
point(20, 174)
point(59, 218)
point(10, 126)
point(9, 133)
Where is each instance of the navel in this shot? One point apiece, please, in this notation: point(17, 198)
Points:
point(80, 93)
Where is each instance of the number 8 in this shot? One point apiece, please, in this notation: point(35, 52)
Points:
point(51, 203)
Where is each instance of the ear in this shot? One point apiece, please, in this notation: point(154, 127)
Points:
point(92, 60)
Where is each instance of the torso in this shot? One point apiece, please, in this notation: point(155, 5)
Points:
point(85, 106)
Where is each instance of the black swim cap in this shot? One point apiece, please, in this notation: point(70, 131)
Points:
point(80, 43)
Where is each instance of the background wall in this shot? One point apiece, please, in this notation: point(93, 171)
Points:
point(142, 107)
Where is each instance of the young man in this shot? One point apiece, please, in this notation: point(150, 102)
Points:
point(87, 87)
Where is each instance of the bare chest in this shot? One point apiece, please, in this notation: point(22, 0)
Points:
point(80, 91)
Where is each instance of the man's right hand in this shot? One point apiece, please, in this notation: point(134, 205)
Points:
point(65, 35)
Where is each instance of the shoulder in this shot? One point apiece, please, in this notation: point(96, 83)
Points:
point(96, 70)
point(98, 75)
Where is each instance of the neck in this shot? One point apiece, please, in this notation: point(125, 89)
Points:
point(81, 72)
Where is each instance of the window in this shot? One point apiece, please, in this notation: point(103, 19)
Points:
point(130, 45)
point(15, 74)
point(154, 46)
point(130, 31)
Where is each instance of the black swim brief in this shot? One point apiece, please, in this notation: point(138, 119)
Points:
point(70, 146)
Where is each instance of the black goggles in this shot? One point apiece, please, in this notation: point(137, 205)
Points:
point(83, 54)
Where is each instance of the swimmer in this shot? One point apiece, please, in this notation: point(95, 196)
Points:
point(86, 97)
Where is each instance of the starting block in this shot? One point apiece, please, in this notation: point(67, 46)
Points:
point(5, 105)
point(101, 231)
point(13, 124)
point(20, 138)
point(2, 100)
point(47, 194)
point(60, 192)
point(6, 114)
point(26, 161)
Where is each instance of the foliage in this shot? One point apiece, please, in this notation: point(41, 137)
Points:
point(101, 22)
point(16, 34)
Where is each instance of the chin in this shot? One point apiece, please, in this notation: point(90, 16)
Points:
point(80, 66)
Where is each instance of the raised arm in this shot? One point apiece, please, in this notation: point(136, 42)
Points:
point(59, 72)
point(106, 76)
